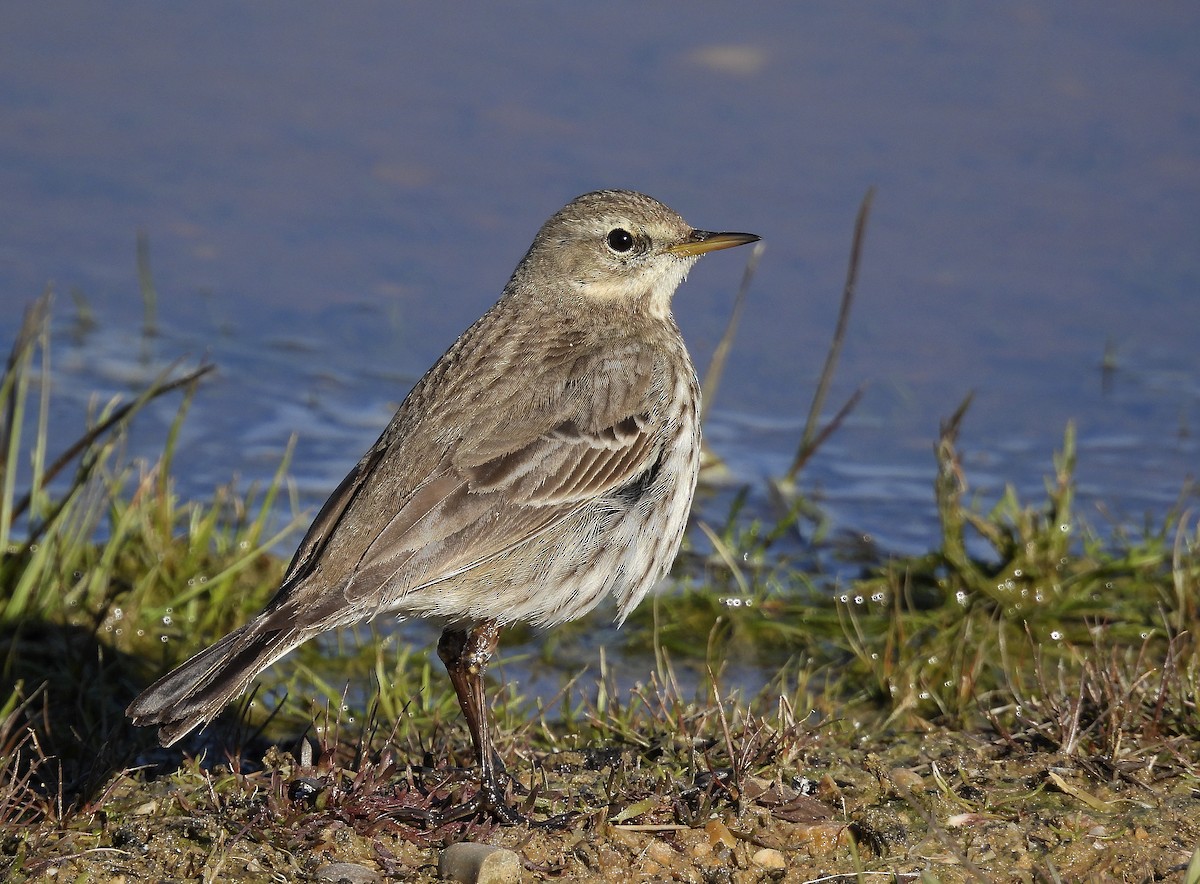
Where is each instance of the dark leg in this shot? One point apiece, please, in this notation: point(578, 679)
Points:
point(466, 655)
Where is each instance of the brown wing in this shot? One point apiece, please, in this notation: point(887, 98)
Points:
point(330, 513)
point(468, 471)
point(468, 515)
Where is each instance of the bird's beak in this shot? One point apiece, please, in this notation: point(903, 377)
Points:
point(702, 241)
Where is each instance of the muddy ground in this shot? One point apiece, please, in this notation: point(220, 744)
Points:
point(939, 806)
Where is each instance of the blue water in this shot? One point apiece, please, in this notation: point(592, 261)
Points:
point(331, 194)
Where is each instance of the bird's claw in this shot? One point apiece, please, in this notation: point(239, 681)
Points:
point(491, 800)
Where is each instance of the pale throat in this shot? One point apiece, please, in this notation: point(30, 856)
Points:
point(664, 278)
point(651, 287)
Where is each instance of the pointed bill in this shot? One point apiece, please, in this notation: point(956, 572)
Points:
point(702, 241)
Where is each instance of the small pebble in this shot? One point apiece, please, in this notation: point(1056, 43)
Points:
point(470, 863)
point(718, 833)
point(661, 853)
point(906, 780)
point(769, 859)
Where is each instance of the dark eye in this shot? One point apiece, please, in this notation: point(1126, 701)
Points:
point(619, 240)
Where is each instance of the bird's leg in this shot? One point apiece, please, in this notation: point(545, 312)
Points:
point(466, 654)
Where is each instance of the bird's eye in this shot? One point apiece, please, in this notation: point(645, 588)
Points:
point(619, 240)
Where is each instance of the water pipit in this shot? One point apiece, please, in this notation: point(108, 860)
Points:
point(546, 461)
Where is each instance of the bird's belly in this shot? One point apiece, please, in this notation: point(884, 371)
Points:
point(615, 546)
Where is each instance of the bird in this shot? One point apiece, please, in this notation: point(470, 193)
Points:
point(547, 461)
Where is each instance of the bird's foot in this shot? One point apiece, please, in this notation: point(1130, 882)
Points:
point(492, 800)
point(489, 800)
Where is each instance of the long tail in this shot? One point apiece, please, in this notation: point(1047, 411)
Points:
point(195, 692)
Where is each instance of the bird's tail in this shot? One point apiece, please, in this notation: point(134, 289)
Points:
point(195, 692)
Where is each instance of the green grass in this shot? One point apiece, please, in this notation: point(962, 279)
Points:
point(105, 572)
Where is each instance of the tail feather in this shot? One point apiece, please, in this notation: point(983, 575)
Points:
point(195, 692)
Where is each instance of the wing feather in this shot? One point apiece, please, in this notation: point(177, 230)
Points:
point(446, 489)
point(457, 522)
